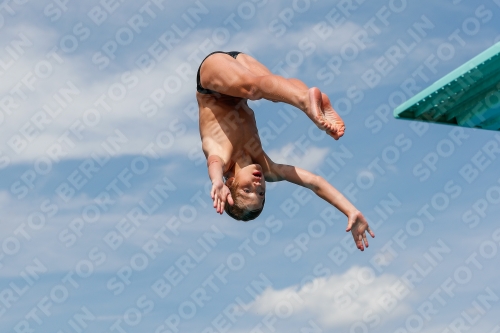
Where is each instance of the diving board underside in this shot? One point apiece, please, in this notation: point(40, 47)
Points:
point(469, 96)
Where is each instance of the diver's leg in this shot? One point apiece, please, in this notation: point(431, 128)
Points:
point(226, 75)
point(259, 69)
point(328, 111)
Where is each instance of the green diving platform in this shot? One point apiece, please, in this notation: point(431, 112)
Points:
point(469, 96)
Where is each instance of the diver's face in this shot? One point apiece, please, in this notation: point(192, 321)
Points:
point(251, 186)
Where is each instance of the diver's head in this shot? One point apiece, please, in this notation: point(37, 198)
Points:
point(248, 190)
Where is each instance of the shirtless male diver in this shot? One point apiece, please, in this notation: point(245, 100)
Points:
point(231, 143)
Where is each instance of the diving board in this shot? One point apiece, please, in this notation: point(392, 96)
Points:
point(469, 96)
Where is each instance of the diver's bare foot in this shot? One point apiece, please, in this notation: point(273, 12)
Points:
point(314, 109)
point(335, 123)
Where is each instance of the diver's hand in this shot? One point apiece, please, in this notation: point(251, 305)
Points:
point(357, 225)
point(220, 193)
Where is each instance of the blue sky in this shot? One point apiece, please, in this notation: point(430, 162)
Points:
point(107, 224)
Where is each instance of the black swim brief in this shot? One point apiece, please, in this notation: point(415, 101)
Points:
point(202, 90)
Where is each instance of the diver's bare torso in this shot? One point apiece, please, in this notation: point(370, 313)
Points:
point(228, 130)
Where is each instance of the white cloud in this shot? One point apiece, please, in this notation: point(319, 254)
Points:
point(91, 83)
point(290, 154)
point(337, 300)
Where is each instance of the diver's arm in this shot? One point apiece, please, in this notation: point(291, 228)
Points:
point(215, 166)
point(356, 222)
point(317, 184)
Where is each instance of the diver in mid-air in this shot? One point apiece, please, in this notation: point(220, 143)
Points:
point(237, 164)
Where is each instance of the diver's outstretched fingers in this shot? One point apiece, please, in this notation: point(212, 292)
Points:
point(370, 232)
point(365, 240)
